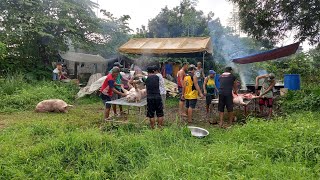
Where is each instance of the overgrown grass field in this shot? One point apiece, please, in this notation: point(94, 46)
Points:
point(79, 145)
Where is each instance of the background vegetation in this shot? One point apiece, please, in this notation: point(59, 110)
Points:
point(79, 145)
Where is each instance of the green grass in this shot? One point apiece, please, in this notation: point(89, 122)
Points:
point(78, 145)
point(19, 94)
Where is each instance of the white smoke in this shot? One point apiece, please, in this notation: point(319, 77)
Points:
point(231, 47)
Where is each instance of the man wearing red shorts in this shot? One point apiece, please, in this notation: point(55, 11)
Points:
point(266, 93)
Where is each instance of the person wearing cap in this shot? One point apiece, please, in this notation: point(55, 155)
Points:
point(108, 89)
point(154, 101)
point(228, 83)
point(191, 91)
point(117, 85)
point(210, 89)
point(266, 93)
point(200, 75)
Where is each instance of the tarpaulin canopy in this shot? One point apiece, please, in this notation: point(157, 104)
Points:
point(269, 55)
point(167, 45)
point(81, 57)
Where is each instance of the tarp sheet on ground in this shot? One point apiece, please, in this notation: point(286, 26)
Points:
point(269, 55)
point(94, 83)
point(167, 45)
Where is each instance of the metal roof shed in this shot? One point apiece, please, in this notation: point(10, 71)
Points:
point(81, 57)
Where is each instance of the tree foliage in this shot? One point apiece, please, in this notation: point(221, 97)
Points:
point(36, 30)
point(181, 21)
point(276, 19)
point(3, 51)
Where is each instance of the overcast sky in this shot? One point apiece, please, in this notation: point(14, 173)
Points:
point(141, 11)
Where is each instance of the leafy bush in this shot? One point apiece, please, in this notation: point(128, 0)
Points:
point(17, 94)
point(307, 99)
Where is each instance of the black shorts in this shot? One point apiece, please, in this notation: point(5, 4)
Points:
point(191, 103)
point(105, 99)
point(225, 101)
point(180, 93)
point(154, 106)
point(209, 98)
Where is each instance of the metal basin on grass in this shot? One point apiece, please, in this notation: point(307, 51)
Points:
point(198, 132)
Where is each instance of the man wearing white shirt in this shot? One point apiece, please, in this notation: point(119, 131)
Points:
point(162, 88)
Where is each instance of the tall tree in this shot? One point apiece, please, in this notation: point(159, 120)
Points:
point(181, 21)
point(114, 32)
point(276, 19)
point(34, 30)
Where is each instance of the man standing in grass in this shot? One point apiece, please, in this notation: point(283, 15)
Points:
point(228, 83)
point(191, 91)
point(154, 102)
point(266, 94)
point(210, 89)
point(108, 89)
point(180, 77)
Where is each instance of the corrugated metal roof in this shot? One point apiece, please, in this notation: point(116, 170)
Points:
point(81, 57)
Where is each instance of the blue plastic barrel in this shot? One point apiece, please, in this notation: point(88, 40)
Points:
point(216, 80)
point(292, 81)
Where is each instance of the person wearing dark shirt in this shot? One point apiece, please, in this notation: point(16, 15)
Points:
point(108, 88)
point(228, 84)
point(154, 101)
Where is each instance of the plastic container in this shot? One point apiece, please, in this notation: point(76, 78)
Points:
point(292, 81)
point(216, 80)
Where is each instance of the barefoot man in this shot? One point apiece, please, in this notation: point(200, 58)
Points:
point(180, 77)
point(191, 91)
point(108, 89)
point(266, 94)
point(228, 83)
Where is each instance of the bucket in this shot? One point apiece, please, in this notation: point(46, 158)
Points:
point(216, 80)
point(292, 81)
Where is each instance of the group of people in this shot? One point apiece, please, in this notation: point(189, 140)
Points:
point(192, 85)
point(155, 88)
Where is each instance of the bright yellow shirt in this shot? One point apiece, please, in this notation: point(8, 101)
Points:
point(190, 92)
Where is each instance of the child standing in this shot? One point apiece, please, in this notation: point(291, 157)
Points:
point(154, 102)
